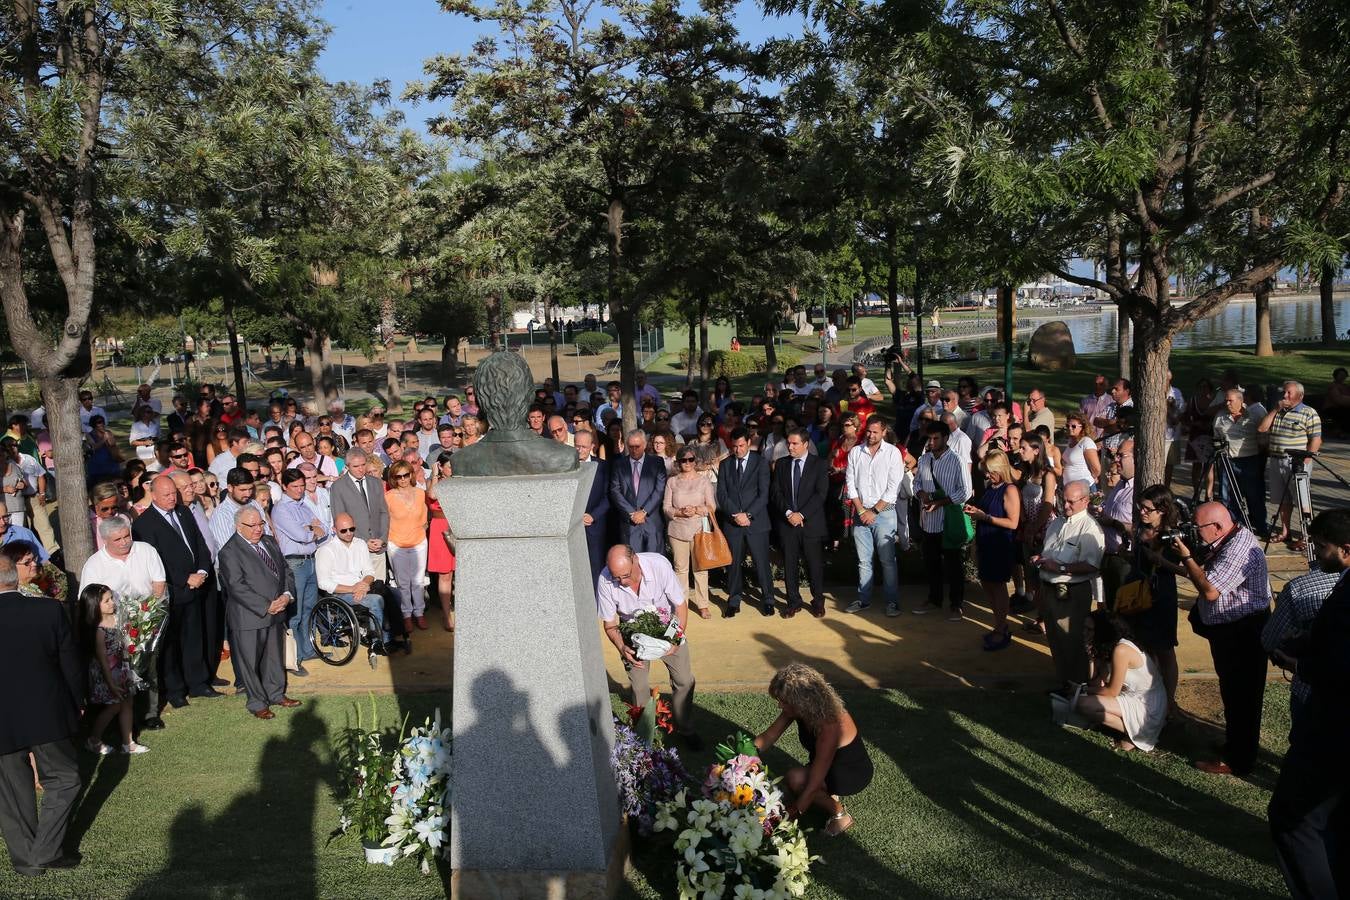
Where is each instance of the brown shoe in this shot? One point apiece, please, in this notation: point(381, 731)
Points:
point(288, 703)
point(422, 622)
point(407, 625)
point(264, 713)
point(1214, 767)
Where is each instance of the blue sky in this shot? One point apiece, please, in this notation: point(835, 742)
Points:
point(390, 39)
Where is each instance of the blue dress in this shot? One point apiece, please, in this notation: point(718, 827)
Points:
point(994, 545)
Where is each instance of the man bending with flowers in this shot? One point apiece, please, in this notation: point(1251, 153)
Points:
point(633, 583)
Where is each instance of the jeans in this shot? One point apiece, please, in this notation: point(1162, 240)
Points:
point(879, 539)
point(1250, 477)
point(375, 604)
point(306, 595)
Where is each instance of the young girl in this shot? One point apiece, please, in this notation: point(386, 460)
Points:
point(112, 683)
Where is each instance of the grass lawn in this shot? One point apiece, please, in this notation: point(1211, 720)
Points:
point(976, 795)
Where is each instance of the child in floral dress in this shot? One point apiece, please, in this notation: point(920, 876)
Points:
point(112, 682)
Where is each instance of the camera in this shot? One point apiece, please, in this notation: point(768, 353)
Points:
point(1186, 531)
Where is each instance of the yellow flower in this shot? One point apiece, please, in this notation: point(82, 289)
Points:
point(744, 796)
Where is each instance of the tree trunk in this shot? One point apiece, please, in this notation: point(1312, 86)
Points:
point(1123, 342)
point(770, 351)
point(621, 315)
point(1152, 354)
point(393, 402)
point(314, 355)
point(691, 363)
point(1264, 347)
point(552, 344)
point(235, 362)
point(61, 394)
point(704, 363)
point(329, 381)
point(494, 323)
point(449, 358)
point(1326, 285)
point(893, 287)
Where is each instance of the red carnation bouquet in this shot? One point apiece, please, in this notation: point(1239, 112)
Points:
point(143, 622)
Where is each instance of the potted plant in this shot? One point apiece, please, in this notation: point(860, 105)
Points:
point(365, 757)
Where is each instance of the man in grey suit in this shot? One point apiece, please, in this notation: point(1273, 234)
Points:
point(361, 496)
point(258, 587)
point(743, 507)
point(637, 488)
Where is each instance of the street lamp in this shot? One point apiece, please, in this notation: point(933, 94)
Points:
point(919, 225)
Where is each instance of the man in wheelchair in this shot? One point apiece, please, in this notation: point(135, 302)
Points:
point(344, 570)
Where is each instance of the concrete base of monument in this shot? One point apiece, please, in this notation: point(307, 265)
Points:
point(526, 884)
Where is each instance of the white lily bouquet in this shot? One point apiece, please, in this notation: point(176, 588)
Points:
point(420, 811)
point(651, 633)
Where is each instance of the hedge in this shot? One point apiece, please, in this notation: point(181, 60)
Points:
point(592, 343)
point(732, 364)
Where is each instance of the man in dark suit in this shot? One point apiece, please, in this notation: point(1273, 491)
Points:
point(637, 488)
point(39, 714)
point(258, 588)
point(801, 482)
point(361, 496)
point(743, 506)
point(169, 527)
point(597, 504)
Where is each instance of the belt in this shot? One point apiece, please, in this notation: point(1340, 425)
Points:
point(299, 555)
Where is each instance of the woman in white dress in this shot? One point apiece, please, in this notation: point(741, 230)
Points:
point(1127, 693)
point(1081, 462)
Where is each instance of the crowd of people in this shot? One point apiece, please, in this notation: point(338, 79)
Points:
point(242, 518)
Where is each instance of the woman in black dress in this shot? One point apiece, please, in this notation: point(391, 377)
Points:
point(838, 764)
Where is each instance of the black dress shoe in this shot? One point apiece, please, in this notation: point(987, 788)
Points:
point(791, 611)
point(206, 692)
point(154, 723)
point(220, 682)
point(64, 861)
point(178, 702)
point(766, 610)
point(730, 612)
point(818, 612)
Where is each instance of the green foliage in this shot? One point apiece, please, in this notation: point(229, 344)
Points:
point(592, 343)
point(152, 341)
point(746, 361)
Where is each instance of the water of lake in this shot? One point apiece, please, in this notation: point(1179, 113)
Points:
point(1234, 325)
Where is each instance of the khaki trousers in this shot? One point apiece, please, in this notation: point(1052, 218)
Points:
point(683, 558)
point(1066, 610)
point(681, 682)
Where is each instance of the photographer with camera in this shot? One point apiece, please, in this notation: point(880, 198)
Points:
point(1295, 432)
point(1234, 604)
point(1236, 436)
point(1307, 809)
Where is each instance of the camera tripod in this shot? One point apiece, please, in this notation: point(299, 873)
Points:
point(1220, 460)
point(1298, 492)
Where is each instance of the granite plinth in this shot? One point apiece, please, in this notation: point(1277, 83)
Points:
point(533, 791)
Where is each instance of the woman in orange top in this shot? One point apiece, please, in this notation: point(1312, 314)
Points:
point(407, 541)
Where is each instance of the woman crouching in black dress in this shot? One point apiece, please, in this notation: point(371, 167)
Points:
point(838, 763)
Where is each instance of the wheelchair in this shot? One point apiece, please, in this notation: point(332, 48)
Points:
point(338, 629)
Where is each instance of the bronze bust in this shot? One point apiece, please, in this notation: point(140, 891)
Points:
point(504, 384)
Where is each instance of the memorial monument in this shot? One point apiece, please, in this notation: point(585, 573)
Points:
point(534, 805)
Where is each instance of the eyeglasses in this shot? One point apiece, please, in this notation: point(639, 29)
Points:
point(1148, 509)
point(457, 433)
point(402, 475)
point(28, 561)
point(346, 530)
point(182, 455)
point(686, 459)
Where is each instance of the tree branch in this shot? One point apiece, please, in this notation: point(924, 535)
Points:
point(1115, 292)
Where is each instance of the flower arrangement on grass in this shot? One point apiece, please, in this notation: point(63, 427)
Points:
point(142, 620)
point(647, 773)
point(651, 633)
point(735, 839)
point(420, 815)
point(365, 758)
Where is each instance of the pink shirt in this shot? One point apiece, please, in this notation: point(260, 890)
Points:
point(659, 588)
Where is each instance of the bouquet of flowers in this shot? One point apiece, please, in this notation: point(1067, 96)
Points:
point(735, 839)
point(53, 582)
point(647, 776)
point(365, 769)
point(652, 718)
point(651, 633)
point(142, 620)
point(420, 815)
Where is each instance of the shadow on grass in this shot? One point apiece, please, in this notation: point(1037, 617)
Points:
point(100, 776)
point(264, 839)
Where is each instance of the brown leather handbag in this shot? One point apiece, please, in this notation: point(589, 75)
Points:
point(711, 550)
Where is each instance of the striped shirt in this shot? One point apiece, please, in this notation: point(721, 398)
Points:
point(1295, 609)
point(1237, 570)
point(1294, 428)
point(945, 473)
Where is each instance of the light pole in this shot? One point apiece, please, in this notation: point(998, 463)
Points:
point(918, 296)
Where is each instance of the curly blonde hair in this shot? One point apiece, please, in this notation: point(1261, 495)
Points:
point(808, 693)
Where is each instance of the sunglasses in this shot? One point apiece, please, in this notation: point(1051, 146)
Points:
point(402, 475)
point(457, 433)
point(346, 530)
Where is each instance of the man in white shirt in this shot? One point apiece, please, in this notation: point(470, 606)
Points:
point(344, 569)
point(874, 476)
point(1176, 405)
point(144, 433)
point(614, 391)
point(224, 462)
point(1237, 426)
point(869, 387)
point(941, 479)
point(343, 423)
point(932, 400)
point(1069, 561)
point(1038, 413)
point(143, 398)
point(309, 453)
point(88, 410)
point(685, 422)
point(958, 442)
point(238, 493)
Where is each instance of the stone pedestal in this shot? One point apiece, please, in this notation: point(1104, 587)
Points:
point(535, 808)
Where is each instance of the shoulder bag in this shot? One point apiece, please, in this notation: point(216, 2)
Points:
point(711, 550)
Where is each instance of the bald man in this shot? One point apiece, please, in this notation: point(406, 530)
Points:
point(183, 669)
point(632, 583)
point(1233, 607)
point(345, 570)
point(1070, 559)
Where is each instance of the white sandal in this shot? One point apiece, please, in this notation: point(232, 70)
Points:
point(838, 817)
point(98, 747)
point(133, 748)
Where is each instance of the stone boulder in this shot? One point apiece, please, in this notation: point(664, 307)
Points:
point(1051, 348)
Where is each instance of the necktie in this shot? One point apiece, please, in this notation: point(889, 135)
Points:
point(266, 557)
point(361, 487)
point(740, 468)
point(178, 527)
point(796, 480)
point(637, 476)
